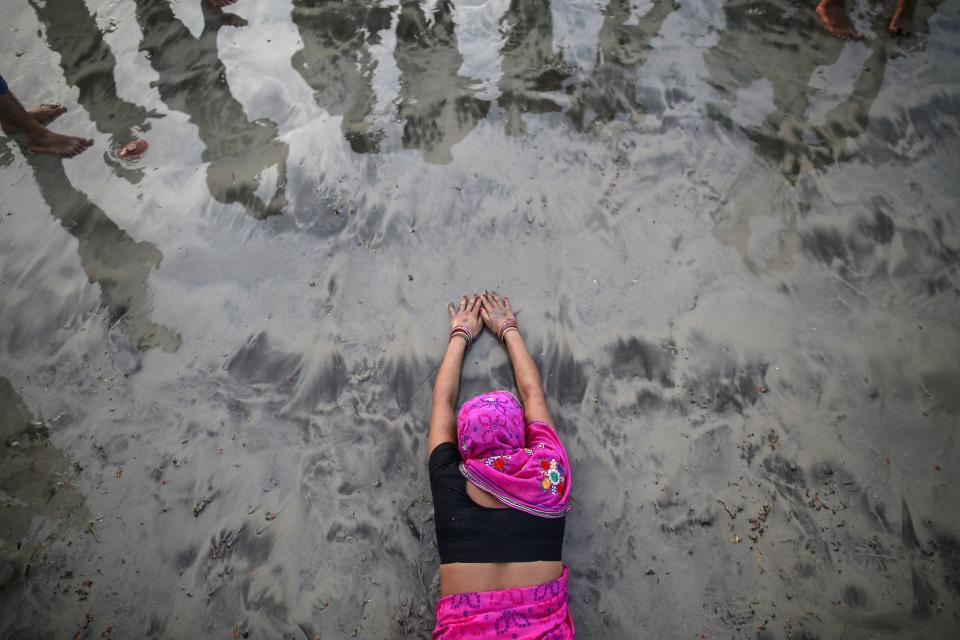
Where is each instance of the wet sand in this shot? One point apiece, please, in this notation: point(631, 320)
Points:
point(733, 243)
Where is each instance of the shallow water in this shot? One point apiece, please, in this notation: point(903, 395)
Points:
point(733, 241)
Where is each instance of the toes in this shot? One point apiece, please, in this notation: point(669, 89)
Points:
point(50, 109)
point(76, 146)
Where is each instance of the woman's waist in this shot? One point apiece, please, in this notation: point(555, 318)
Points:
point(474, 577)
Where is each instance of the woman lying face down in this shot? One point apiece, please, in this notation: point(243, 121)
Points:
point(500, 479)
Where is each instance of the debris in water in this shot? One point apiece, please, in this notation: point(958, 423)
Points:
point(200, 506)
point(133, 149)
point(757, 522)
point(729, 511)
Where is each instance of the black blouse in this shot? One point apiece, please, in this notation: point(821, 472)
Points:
point(468, 532)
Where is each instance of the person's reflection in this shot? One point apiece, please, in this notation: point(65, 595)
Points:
point(531, 67)
point(770, 40)
point(111, 259)
point(192, 80)
point(439, 106)
point(88, 65)
point(37, 483)
point(336, 62)
point(774, 42)
point(610, 91)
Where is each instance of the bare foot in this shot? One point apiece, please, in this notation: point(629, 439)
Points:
point(41, 114)
point(46, 112)
point(902, 21)
point(49, 142)
point(219, 4)
point(833, 16)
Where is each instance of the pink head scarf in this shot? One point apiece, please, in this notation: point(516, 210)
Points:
point(525, 467)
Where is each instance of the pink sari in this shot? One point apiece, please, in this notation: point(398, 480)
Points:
point(523, 613)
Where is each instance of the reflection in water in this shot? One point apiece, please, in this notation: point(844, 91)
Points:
point(335, 61)
point(776, 41)
point(438, 105)
point(111, 259)
point(531, 66)
point(88, 64)
point(39, 502)
point(611, 89)
point(193, 81)
point(6, 155)
point(780, 44)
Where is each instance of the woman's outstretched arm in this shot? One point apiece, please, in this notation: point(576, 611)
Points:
point(446, 389)
point(495, 312)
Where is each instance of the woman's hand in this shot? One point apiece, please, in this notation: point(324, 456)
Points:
point(446, 388)
point(495, 311)
point(468, 315)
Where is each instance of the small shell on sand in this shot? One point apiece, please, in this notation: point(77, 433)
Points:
point(133, 149)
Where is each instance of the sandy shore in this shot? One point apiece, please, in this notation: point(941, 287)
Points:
point(732, 240)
